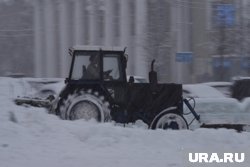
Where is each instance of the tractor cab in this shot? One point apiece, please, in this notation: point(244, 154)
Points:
point(97, 64)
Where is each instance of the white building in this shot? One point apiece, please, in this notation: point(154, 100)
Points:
point(59, 24)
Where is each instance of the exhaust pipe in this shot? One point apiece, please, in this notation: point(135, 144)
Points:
point(153, 74)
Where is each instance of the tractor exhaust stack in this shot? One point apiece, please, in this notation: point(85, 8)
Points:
point(153, 74)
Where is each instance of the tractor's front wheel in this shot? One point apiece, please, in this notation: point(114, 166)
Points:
point(169, 119)
point(85, 105)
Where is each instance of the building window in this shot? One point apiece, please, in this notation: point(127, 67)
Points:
point(223, 15)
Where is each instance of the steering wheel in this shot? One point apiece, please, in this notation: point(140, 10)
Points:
point(106, 75)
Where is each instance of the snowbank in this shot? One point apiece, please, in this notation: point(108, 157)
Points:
point(32, 137)
point(201, 91)
point(221, 110)
point(35, 138)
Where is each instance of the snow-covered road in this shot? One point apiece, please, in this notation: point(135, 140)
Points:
point(30, 137)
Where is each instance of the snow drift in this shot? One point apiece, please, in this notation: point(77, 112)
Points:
point(32, 137)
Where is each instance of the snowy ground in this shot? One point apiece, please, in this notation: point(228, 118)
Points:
point(30, 137)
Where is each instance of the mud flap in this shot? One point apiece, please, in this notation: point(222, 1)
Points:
point(237, 127)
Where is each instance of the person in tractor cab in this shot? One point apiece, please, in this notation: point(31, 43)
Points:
point(93, 69)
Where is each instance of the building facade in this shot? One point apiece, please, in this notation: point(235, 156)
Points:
point(165, 30)
point(59, 24)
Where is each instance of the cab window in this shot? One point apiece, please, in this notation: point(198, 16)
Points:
point(111, 67)
point(86, 66)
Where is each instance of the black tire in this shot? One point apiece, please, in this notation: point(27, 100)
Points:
point(85, 105)
point(169, 119)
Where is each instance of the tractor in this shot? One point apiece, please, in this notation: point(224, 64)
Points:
point(97, 88)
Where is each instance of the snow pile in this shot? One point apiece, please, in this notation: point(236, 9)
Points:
point(35, 138)
point(221, 110)
point(32, 137)
point(246, 105)
point(201, 91)
point(12, 87)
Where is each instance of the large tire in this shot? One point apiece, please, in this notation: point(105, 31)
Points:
point(169, 119)
point(85, 105)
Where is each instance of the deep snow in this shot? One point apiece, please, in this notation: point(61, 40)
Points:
point(31, 137)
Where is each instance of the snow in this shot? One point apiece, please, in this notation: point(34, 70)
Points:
point(214, 84)
point(31, 137)
point(42, 86)
point(245, 105)
point(223, 87)
point(222, 110)
point(201, 91)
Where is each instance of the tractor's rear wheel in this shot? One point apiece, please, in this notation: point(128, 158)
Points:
point(85, 105)
point(169, 119)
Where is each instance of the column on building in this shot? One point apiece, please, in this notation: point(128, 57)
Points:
point(125, 33)
point(180, 21)
point(38, 37)
point(141, 68)
point(64, 35)
point(176, 27)
point(109, 23)
point(93, 22)
point(185, 39)
point(50, 38)
point(79, 22)
point(174, 31)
